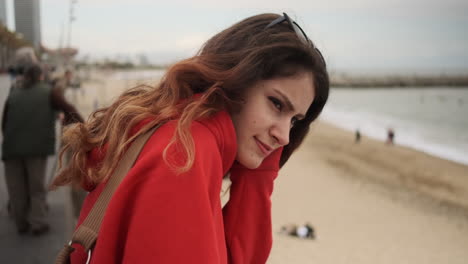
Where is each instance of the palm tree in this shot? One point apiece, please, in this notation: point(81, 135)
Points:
point(9, 43)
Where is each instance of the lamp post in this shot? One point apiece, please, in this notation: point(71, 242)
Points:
point(71, 18)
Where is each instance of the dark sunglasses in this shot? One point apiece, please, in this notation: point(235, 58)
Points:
point(299, 32)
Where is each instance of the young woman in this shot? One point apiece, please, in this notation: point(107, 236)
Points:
point(240, 107)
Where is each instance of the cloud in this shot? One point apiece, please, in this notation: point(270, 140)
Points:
point(364, 32)
point(191, 41)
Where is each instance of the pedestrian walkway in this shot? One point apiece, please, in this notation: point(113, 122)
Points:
point(27, 249)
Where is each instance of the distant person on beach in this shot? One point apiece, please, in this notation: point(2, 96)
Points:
point(357, 136)
point(238, 108)
point(390, 136)
point(303, 231)
point(28, 138)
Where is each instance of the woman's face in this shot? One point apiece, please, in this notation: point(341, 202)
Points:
point(270, 109)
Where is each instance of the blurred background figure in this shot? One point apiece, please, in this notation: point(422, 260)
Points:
point(28, 138)
point(390, 136)
point(23, 58)
point(63, 81)
point(357, 136)
point(28, 129)
point(68, 89)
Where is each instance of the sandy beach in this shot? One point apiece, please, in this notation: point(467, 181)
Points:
point(368, 202)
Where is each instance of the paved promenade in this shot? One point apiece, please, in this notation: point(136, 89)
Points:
point(27, 249)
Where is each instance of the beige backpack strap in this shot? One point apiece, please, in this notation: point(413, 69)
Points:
point(86, 234)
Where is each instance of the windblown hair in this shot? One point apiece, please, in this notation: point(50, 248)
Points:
point(229, 63)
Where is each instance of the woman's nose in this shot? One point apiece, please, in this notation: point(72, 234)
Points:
point(280, 133)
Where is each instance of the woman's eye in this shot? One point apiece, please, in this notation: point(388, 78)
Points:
point(277, 103)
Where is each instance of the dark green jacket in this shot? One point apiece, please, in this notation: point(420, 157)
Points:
point(29, 129)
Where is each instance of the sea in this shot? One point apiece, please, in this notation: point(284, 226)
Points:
point(433, 120)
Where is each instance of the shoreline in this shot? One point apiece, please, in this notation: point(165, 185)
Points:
point(443, 151)
point(351, 81)
point(443, 180)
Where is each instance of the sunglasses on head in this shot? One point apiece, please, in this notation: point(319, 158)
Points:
point(299, 32)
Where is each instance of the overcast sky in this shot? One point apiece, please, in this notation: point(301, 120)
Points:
point(354, 35)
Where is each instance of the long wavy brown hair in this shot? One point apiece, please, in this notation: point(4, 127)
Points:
point(229, 63)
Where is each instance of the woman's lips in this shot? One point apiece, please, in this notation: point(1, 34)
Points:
point(266, 150)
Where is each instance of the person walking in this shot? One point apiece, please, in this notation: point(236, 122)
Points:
point(28, 138)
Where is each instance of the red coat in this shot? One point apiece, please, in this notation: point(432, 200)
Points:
point(157, 216)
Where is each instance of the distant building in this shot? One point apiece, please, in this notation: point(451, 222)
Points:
point(28, 20)
point(143, 60)
point(3, 13)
